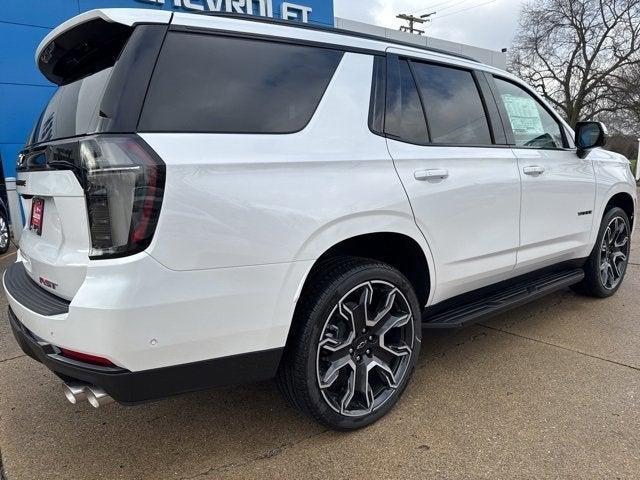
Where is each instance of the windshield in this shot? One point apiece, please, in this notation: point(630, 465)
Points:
point(73, 109)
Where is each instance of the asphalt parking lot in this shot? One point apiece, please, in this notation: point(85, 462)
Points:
point(551, 390)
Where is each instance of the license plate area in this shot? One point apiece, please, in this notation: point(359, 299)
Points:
point(37, 215)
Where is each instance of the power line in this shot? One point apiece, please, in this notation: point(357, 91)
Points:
point(453, 5)
point(437, 5)
point(464, 10)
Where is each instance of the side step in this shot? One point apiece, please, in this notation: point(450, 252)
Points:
point(514, 295)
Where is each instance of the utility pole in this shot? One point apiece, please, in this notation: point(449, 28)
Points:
point(412, 19)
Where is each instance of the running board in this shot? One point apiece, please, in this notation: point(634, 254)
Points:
point(515, 295)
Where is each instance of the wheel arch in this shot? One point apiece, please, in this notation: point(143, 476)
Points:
point(624, 201)
point(362, 229)
point(415, 262)
point(396, 249)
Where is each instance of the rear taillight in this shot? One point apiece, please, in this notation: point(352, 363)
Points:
point(124, 185)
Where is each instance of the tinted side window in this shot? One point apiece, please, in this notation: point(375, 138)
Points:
point(378, 87)
point(405, 117)
point(453, 105)
point(533, 126)
point(215, 84)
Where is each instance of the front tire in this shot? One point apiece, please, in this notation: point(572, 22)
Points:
point(607, 265)
point(354, 343)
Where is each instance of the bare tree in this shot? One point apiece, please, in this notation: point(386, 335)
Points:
point(629, 96)
point(579, 54)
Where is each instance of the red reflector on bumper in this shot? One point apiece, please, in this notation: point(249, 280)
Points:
point(86, 358)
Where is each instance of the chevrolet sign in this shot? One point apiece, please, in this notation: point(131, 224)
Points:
point(264, 8)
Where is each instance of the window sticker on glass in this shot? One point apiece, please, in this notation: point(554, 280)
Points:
point(533, 126)
point(524, 115)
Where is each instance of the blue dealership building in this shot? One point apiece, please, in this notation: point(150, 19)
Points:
point(24, 23)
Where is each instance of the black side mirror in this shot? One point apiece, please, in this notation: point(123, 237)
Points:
point(590, 135)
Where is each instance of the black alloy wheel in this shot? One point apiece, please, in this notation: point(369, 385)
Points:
point(606, 267)
point(354, 343)
point(614, 253)
point(365, 348)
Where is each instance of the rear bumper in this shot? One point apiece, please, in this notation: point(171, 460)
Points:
point(134, 387)
point(142, 316)
point(166, 332)
point(27, 293)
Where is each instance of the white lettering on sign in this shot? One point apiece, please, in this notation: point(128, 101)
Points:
point(264, 8)
point(291, 11)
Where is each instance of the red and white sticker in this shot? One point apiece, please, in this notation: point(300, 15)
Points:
point(37, 213)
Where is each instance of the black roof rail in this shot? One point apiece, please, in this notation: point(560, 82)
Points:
point(328, 29)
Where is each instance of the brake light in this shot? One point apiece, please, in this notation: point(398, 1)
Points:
point(86, 358)
point(124, 186)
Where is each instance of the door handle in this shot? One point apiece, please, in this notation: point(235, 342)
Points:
point(433, 174)
point(533, 170)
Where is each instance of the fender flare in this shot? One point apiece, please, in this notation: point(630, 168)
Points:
point(617, 188)
point(364, 223)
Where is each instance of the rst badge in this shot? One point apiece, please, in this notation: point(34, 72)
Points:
point(264, 8)
point(48, 283)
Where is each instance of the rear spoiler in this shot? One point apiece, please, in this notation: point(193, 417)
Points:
point(90, 40)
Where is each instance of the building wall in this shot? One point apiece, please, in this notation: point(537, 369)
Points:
point(24, 23)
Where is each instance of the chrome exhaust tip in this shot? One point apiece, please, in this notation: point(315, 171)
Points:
point(97, 397)
point(75, 392)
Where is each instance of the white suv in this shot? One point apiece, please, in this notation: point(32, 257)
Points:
point(215, 200)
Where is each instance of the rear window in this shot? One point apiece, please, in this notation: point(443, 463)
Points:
point(216, 84)
point(73, 109)
point(453, 105)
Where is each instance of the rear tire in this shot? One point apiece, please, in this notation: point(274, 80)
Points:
point(607, 265)
point(353, 345)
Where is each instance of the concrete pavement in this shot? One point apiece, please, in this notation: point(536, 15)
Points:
point(550, 390)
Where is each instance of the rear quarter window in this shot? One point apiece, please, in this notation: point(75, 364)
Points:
point(215, 84)
point(72, 109)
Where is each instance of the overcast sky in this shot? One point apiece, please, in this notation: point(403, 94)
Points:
point(483, 23)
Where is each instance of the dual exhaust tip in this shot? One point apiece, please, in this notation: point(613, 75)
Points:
point(77, 392)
